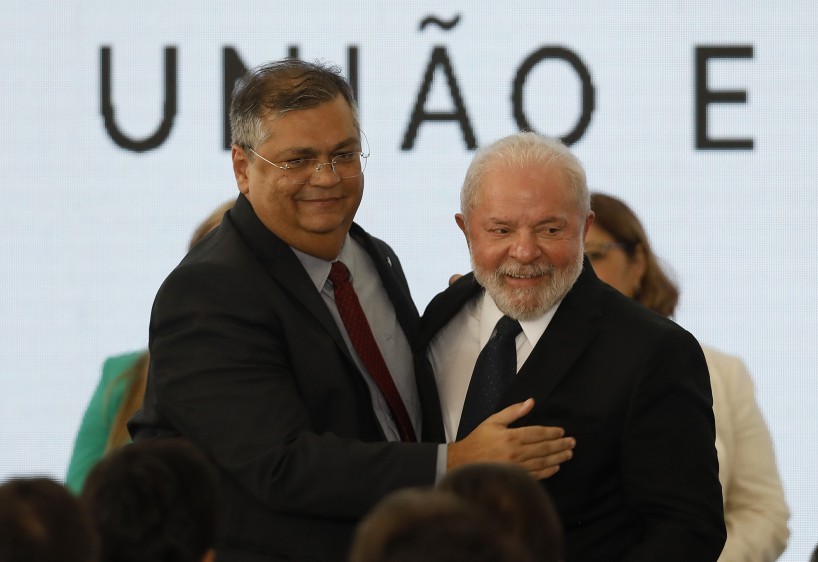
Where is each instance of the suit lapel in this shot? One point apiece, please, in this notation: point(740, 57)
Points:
point(567, 336)
point(401, 300)
point(283, 266)
point(444, 306)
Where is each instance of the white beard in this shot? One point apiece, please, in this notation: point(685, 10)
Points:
point(532, 302)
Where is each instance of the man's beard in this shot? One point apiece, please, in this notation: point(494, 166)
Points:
point(530, 302)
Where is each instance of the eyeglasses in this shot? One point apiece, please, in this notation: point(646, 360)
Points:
point(300, 170)
point(596, 252)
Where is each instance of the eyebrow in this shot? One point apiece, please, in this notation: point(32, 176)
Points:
point(309, 151)
point(547, 220)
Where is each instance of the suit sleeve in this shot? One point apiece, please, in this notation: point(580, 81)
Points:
point(755, 508)
point(669, 463)
point(222, 375)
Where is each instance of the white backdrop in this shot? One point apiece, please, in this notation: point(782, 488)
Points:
point(90, 229)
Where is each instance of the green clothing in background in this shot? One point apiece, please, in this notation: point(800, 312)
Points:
point(98, 419)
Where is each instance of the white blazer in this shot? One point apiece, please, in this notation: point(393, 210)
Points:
point(755, 509)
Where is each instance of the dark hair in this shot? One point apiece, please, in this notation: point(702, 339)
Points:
point(656, 290)
point(276, 88)
point(153, 501)
point(430, 526)
point(517, 503)
point(41, 521)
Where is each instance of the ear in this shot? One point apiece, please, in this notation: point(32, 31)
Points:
point(461, 223)
point(460, 219)
point(589, 220)
point(241, 165)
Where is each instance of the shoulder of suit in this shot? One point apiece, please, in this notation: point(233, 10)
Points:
point(372, 244)
point(450, 300)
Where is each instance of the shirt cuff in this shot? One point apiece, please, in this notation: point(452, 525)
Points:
point(442, 461)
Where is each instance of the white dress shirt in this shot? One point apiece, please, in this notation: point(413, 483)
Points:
point(453, 352)
point(380, 313)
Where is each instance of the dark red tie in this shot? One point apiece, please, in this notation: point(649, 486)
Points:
point(349, 307)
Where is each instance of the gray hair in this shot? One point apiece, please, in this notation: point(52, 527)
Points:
point(278, 87)
point(518, 150)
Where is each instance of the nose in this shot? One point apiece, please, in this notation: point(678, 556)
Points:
point(524, 249)
point(324, 175)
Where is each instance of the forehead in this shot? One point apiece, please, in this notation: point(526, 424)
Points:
point(324, 124)
point(530, 189)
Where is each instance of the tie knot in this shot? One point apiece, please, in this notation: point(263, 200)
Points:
point(338, 273)
point(508, 327)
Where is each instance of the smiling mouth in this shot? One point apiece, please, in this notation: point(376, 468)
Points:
point(321, 200)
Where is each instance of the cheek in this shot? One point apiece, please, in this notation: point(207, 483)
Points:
point(560, 253)
point(488, 255)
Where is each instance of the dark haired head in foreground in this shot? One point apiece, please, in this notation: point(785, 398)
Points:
point(431, 526)
point(153, 501)
point(41, 521)
point(517, 504)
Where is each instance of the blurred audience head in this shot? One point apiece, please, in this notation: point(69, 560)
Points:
point(154, 501)
point(41, 521)
point(431, 526)
point(517, 504)
point(620, 253)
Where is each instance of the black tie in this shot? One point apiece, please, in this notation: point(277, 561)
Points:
point(495, 366)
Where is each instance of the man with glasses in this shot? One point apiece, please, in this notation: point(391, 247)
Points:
point(281, 344)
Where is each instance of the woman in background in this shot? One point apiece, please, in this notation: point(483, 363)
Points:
point(118, 395)
point(755, 509)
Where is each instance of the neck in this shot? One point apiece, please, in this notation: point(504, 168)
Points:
point(324, 246)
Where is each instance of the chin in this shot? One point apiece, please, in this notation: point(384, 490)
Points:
point(530, 302)
point(524, 304)
point(326, 226)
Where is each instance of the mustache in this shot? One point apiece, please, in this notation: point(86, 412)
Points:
point(514, 269)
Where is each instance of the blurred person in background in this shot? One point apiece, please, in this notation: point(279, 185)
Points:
point(41, 521)
point(154, 501)
point(432, 526)
point(517, 504)
point(118, 395)
point(755, 509)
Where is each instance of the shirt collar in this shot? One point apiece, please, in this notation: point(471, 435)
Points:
point(533, 329)
point(318, 269)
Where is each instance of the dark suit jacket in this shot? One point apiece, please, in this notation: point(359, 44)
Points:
point(248, 364)
point(634, 390)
